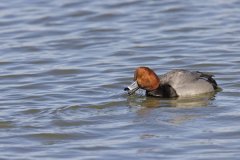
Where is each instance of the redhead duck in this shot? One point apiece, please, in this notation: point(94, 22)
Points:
point(176, 83)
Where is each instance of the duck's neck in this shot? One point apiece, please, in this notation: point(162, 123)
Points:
point(163, 91)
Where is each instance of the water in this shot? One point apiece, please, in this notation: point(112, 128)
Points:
point(64, 64)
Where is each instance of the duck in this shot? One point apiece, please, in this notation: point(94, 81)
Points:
point(176, 83)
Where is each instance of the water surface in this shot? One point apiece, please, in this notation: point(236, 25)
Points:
point(64, 64)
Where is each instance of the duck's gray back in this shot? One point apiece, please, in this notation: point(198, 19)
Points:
point(186, 83)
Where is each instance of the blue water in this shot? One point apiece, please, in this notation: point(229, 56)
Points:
point(64, 64)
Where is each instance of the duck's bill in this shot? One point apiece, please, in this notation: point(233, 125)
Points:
point(132, 88)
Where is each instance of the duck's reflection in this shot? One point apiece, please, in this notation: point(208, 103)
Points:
point(147, 106)
point(183, 102)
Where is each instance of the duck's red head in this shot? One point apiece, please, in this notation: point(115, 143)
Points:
point(144, 78)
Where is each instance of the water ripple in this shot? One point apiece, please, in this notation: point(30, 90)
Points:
point(64, 65)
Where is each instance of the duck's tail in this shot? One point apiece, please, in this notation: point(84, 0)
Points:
point(210, 79)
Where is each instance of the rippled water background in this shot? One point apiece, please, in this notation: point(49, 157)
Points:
point(64, 64)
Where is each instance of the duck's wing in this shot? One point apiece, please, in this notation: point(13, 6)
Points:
point(180, 77)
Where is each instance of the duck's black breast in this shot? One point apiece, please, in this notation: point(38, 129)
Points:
point(163, 91)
